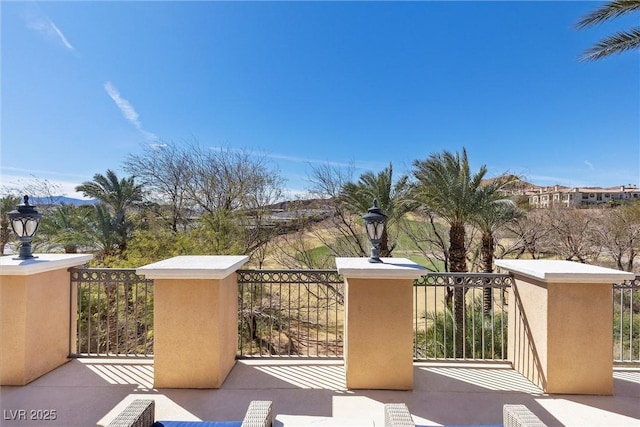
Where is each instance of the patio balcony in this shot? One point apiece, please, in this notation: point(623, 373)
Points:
point(91, 391)
point(306, 371)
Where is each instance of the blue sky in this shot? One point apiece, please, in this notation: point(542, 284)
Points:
point(84, 84)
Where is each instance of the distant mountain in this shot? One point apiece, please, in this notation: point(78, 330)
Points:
point(61, 200)
point(517, 188)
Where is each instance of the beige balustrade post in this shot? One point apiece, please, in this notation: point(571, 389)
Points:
point(378, 337)
point(561, 324)
point(195, 319)
point(37, 315)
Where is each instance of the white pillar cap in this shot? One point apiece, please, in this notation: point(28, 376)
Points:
point(559, 271)
point(194, 267)
point(389, 268)
point(43, 263)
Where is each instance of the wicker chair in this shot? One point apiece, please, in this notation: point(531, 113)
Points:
point(141, 413)
point(398, 415)
point(520, 416)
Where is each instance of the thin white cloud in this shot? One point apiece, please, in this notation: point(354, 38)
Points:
point(63, 39)
point(357, 164)
point(32, 172)
point(126, 109)
point(306, 160)
point(157, 146)
point(48, 29)
point(295, 194)
point(16, 184)
point(588, 163)
point(360, 165)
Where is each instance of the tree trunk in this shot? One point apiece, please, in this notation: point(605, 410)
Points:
point(486, 254)
point(112, 344)
point(5, 236)
point(457, 250)
point(384, 245)
point(461, 327)
point(632, 257)
point(458, 262)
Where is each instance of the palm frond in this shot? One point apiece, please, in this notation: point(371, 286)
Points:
point(447, 186)
point(609, 10)
point(617, 43)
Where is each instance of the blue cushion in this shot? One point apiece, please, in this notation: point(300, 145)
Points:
point(197, 424)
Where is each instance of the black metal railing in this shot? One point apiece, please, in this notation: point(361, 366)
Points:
point(626, 321)
point(461, 316)
point(114, 312)
point(300, 313)
point(290, 313)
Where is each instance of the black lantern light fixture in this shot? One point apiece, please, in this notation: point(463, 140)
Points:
point(374, 223)
point(24, 221)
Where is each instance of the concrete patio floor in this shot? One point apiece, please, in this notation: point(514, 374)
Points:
point(90, 392)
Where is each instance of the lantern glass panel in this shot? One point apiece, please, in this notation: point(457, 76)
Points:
point(31, 226)
point(18, 227)
point(371, 230)
point(374, 229)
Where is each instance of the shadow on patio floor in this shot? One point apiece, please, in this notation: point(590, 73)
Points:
point(88, 392)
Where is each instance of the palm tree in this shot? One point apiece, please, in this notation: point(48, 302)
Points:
point(496, 211)
point(119, 195)
point(358, 198)
point(616, 43)
point(106, 229)
point(66, 225)
point(446, 186)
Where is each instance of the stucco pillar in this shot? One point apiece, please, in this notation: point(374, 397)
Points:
point(36, 315)
point(195, 319)
point(561, 324)
point(378, 336)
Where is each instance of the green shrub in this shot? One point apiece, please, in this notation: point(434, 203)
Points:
point(485, 338)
